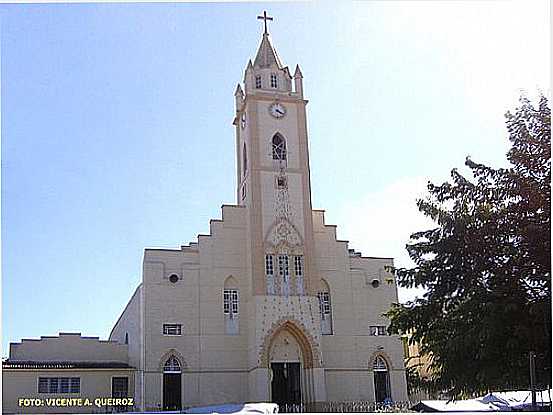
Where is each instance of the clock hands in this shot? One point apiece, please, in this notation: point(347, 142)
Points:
point(277, 110)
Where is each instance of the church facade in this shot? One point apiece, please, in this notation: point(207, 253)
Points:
point(270, 306)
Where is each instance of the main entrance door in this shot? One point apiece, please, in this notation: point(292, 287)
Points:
point(381, 380)
point(171, 391)
point(285, 387)
point(172, 385)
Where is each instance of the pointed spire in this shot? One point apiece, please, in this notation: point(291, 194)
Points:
point(298, 82)
point(250, 65)
point(238, 92)
point(238, 97)
point(297, 72)
point(266, 54)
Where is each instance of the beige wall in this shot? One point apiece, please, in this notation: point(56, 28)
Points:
point(221, 368)
point(23, 383)
point(69, 347)
point(131, 323)
point(356, 305)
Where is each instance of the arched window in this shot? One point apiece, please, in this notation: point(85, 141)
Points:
point(245, 159)
point(325, 308)
point(279, 147)
point(172, 365)
point(126, 338)
point(381, 380)
point(231, 306)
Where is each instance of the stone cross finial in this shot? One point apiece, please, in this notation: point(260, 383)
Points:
point(265, 18)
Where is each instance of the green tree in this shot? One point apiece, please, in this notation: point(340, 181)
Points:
point(486, 268)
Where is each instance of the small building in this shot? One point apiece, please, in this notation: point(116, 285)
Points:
point(52, 373)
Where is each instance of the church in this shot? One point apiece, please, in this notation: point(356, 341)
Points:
point(268, 307)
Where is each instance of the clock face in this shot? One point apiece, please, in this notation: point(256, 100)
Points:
point(277, 110)
point(243, 120)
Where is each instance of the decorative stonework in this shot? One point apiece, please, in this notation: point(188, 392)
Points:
point(382, 354)
point(309, 347)
point(283, 237)
point(167, 355)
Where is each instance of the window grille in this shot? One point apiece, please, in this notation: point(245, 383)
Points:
point(230, 302)
point(172, 329)
point(377, 330)
point(269, 269)
point(59, 385)
point(274, 81)
point(380, 365)
point(171, 365)
point(298, 265)
point(325, 311)
point(75, 385)
point(234, 301)
point(42, 385)
point(283, 266)
point(64, 385)
point(258, 81)
point(119, 387)
point(53, 387)
point(324, 303)
point(226, 301)
point(279, 148)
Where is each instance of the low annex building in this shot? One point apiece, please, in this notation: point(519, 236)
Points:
point(270, 306)
point(66, 367)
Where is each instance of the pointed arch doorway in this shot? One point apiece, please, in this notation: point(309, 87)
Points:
point(381, 380)
point(290, 361)
point(172, 398)
point(285, 365)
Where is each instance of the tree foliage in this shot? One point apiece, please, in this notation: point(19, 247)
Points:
point(486, 268)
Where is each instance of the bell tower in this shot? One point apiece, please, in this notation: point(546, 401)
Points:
point(273, 180)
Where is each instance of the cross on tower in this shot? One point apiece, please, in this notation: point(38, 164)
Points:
point(265, 18)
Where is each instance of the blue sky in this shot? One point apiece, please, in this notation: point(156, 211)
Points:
point(116, 128)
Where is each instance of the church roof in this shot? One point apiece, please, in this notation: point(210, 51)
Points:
point(266, 54)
